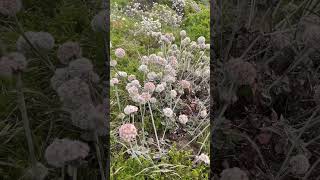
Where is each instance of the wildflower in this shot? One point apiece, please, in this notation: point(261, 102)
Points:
point(149, 86)
point(73, 93)
point(136, 83)
point(160, 88)
point(120, 53)
point(68, 51)
point(143, 68)
point(233, 173)
point(168, 112)
point(153, 100)
point(203, 158)
point(128, 132)
point(10, 7)
point(201, 40)
point(185, 41)
point(173, 61)
point(122, 74)
point(89, 117)
point(144, 98)
point(133, 90)
point(173, 94)
point(243, 73)
point(144, 59)
point(131, 77)
point(183, 33)
point(113, 63)
point(169, 79)
point(80, 68)
point(40, 40)
point(114, 81)
point(60, 76)
point(39, 172)
point(185, 84)
point(129, 109)
point(62, 151)
point(183, 119)
point(152, 76)
point(203, 113)
point(299, 164)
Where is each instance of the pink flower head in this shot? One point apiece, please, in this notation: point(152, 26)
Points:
point(120, 53)
point(183, 119)
point(144, 97)
point(149, 87)
point(133, 90)
point(128, 132)
point(185, 84)
point(114, 81)
point(131, 77)
point(173, 61)
point(129, 109)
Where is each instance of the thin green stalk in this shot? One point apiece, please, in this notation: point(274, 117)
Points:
point(97, 144)
point(25, 120)
point(154, 127)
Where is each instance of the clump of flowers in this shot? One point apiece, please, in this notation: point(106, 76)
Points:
point(69, 51)
point(40, 40)
point(63, 151)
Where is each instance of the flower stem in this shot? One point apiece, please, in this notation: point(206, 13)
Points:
point(74, 173)
point(154, 127)
point(25, 120)
point(118, 100)
point(99, 156)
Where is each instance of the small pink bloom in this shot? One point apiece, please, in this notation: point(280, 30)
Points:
point(128, 132)
point(120, 53)
point(149, 86)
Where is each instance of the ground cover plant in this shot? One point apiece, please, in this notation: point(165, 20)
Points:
point(266, 84)
point(160, 89)
point(52, 117)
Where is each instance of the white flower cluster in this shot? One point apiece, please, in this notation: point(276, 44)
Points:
point(72, 84)
point(62, 151)
point(42, 41)
point(147, 26)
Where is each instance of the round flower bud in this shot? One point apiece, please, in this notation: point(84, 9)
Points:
point(153, 100)
point(201, 40)
point(10, 7)
point(73, 93)
point(120, 53)
point(173, 94)
point(183, 119)
point(203, 158)
point(152, 76)
point(299, 164)
point(62, 151)
point(114, 81)
point(113, 63)
point(128, 132)
point(183, 33)
point(149, 87)
point(168, 112)
point(185, 84)
point(160, 88)
point(241, 72)
point(69, 51)
point(143, 68)
point(233, 173)
point(129, 109)
point(40, 40)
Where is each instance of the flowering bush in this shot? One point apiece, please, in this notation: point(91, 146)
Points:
point(160, 101)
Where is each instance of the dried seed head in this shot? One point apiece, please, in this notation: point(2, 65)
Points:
point(10, 7)
point(74, 93)
point(69, 51)
point(241, 72)
point(299, 164)
point(233, 173)
point(62, 151)
point(40, 40)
